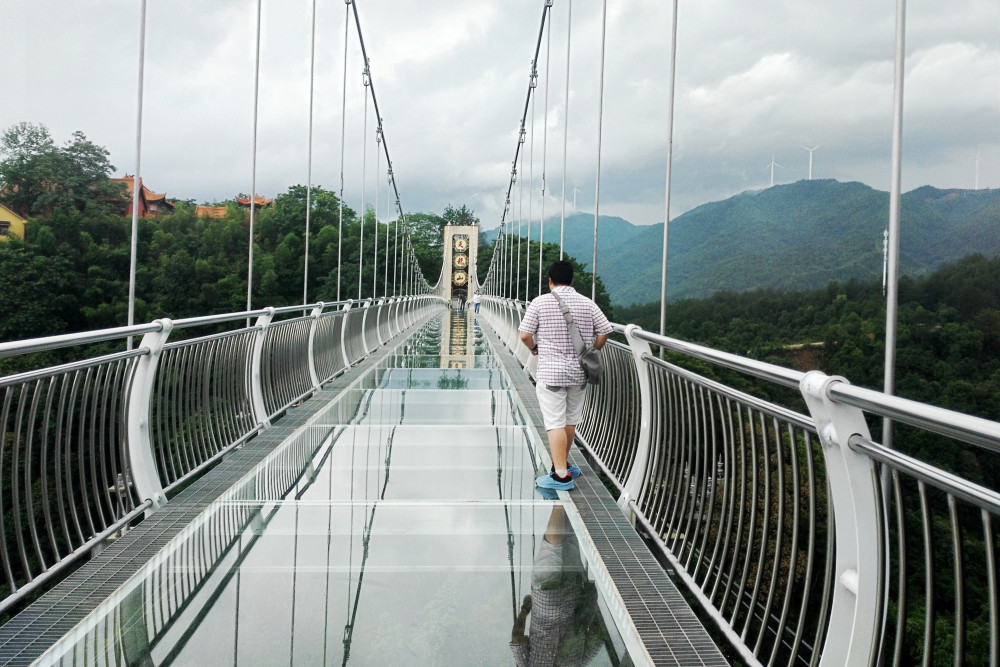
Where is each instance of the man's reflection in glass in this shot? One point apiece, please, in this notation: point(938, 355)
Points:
point(566, 627)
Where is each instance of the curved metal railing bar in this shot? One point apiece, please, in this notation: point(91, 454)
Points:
point(90, 445)
point(740, 493)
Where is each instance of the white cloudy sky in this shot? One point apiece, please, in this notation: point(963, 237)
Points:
point(754, 79)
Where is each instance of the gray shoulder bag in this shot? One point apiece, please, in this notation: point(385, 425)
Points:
point(590, 357)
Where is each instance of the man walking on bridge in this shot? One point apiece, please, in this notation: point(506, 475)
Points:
point(560, 382)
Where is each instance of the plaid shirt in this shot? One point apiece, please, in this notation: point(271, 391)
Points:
point(558, 362)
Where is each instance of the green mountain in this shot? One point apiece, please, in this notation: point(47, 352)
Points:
point(798, 236)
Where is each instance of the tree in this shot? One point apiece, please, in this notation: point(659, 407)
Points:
point(36, 177)
point(462, 216)
point(528, 284)
point(427, 236)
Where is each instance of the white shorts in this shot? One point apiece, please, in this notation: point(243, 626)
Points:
point(561, 406)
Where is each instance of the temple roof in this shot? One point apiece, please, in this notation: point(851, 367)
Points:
point(259, 200)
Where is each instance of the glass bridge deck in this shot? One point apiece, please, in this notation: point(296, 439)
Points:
point(412, 533)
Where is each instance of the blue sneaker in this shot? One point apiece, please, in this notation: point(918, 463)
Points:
point(547, 494)
point(574, 471)
point(550, 482)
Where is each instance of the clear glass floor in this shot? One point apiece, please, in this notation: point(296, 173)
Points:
point(401, 526)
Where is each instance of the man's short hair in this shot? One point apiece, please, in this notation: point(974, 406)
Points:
point(561, 273)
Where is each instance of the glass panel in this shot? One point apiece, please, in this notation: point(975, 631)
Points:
point(422, 406)
point(401, 526)
point(303, 583)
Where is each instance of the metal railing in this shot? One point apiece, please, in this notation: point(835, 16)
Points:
point(801, 538)
point(90, 445)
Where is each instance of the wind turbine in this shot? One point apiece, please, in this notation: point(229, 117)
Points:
point(811, 158)
point(771, 167)
point(575, 190)
point(977, 167)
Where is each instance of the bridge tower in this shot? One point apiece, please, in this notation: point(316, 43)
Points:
point(461, 243)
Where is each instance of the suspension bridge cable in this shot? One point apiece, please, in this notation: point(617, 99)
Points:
point(600, 124)
point(545, 145)
point(253, 160)
point(309, 159)
point(388, 194)
point(892, 268)
point(562, 218)
point(670, 161)
point(378, 168)
point(353, 6)
point(395, 248)
point(520, 213)
point(520, 142)
point(531, 183)
point(137, 177)
point(365, 79)
point(343, 134)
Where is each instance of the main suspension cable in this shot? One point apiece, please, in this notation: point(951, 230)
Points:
point(385, 143)
point(517, 154)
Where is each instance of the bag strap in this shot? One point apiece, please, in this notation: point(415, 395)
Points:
point(574, 333)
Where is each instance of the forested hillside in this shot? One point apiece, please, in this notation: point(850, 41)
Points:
point(797, 236)
point(948, 350)
point(72, 272)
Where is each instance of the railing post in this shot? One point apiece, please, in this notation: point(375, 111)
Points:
point(256, 356)
point(850, 637)
point(313, 375)
point(637, 472)
point(343, 335)
point(364, 325)
point(140, 446)
point(378, 322)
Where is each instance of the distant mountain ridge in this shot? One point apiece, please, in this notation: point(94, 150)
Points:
point(797, 236)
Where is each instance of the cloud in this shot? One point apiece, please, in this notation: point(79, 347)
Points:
point(451, 78)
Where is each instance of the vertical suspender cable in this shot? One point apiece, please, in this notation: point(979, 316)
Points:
point(600, 124)
point(343, 134)
point(136, 178)
point(670, 160)
point(253, 162)
point(388, 195)
point(520, 212)
point(562, 218)
point(531, 185)
point(309, 160)
point(545, 145)
point(378, 145)
point(395, 249)
point(364, 167)
point(892, 267)
point(892, 292)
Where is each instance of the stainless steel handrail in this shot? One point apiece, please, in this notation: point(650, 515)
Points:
point(94, 443)
point(739, 494)
point(17, 347)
